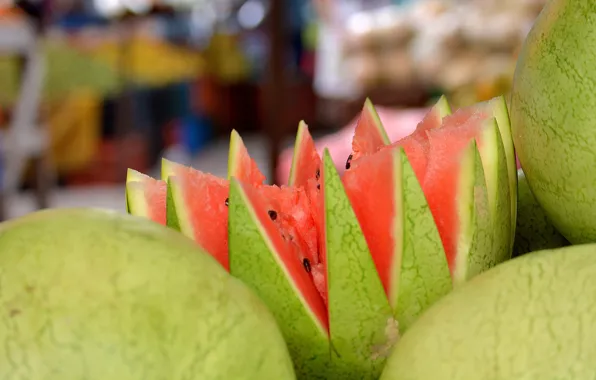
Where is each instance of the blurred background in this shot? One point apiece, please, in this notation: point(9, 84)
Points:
point(89, 88)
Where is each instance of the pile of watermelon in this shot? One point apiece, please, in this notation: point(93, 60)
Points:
point(346, 264)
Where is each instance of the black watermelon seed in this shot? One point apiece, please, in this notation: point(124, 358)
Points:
point(318, 186)
point(318, 173)
point(227, 201)
point(272, 214)
point(306, 264)
point(349, 162)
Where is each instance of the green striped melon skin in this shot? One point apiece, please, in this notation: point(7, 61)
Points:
point(95, 295)
point(552, 115)
point(530, 318)
point(534, 231)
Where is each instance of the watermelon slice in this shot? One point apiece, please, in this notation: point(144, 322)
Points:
point(346, 265)
point(145, 196)
point(261, 258)
point(369, 135)
point(240, 164)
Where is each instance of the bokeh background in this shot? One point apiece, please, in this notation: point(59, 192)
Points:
point(89, 88)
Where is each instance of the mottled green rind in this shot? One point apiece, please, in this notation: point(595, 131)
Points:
point(494, 162)
point(531, 318)
point(95, 295)
point(423, 271)
point(498, 106)
point(475, 249)
point(370, 108)
point(534, 231)
point(254, 261)
point(136, 203)
point(172, 220)
point(297, 151)
point(552, 115)
point(132, 195)
point(362, 327)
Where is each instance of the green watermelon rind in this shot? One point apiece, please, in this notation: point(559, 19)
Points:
point(420, 265)
point(494, 163)
point(372, 111)
point(362, 327)
point(177, 216)
point(131, 177)
point(474, 248)
point(302, 129)
point(501, 113)
point(136, 203)
point(254, 261)
point(534, 231)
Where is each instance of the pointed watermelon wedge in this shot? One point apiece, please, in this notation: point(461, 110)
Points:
point(369, 135)
point(262, 259)
point(145, 196)
point(400, 231)
point(363, 330)
point(306, 162)
point(240, 164)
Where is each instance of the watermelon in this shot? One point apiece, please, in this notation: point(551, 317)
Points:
point(205, 218)
point(146, 196)
point(347, 264)
point(94, 294)
point(534, 230)
point(552, 116)
point(369, 134)
point(529, 318)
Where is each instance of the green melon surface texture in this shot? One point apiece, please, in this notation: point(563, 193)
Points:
point(531, 318)
point(475, 252)
point(420, 267)
point(494, 162)
point(254, 261)
point(361, 324)
point(534, 231)
point(552, 115)
point(88, 294)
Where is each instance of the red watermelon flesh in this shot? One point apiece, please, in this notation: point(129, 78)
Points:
point(206, 197)
point(306, 163)
point(440, 185)
point(369, 135)
point(287, 251)
point(306, 173)
point(155, 195)
point(373, 176)
point(243, 167)
point(435, 155)
point(153, 192)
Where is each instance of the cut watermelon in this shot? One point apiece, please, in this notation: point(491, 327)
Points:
point(240, 164)
point(342, 265)
point(146, 196)
point(306, 162)
point(461, 168)
point(362, 328)
point(369, 135)
point(261, 258)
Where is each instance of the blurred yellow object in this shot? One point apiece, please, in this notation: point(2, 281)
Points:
point(151, 61)
point(74, 127)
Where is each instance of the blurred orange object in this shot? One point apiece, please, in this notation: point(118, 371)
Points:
point(74, 127)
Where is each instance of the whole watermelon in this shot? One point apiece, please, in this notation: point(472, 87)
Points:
point(531, 318)
point(94, 295)
point(553, 115)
